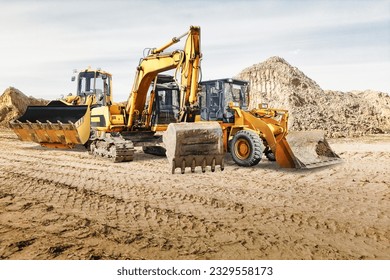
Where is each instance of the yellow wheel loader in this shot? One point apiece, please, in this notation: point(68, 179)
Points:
point(250, 134)
point(110, 130)
point(88, 118)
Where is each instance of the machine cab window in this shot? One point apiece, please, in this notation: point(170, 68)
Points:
point(166, 104)
point(94, 83)
point(216, 95)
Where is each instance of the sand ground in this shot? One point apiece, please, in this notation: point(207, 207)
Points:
point(57, 204)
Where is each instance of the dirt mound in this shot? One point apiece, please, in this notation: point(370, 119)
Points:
point(13, 103)
point(340, 114)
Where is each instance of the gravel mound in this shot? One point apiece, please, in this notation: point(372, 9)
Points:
point(13, 104)
point(340, 114)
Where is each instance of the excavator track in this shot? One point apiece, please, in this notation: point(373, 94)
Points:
point(114, 148)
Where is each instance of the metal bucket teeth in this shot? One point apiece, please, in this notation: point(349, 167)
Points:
point(190, 145)
point(193, 162)
point(57, 126)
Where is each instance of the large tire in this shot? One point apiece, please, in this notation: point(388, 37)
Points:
point(246, 148)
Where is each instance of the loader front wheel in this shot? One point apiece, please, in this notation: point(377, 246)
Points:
point(246, 148)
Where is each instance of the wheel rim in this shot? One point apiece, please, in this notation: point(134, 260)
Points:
point(242, 149)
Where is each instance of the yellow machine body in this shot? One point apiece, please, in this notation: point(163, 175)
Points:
point(67, 122)
point(248, 134)
point(304, 149)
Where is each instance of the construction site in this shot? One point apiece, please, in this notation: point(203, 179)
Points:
point(129, 203)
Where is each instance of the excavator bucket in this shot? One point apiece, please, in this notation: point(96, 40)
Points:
point(305, 149)
point(56, 125)
point(194, 144)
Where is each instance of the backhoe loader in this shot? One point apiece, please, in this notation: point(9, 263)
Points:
point(111, 130)
point(248, 134)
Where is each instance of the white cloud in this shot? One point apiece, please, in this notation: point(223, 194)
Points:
point(43, 41)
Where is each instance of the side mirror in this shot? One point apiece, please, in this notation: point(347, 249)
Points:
point(104, 77)
point(73, 78)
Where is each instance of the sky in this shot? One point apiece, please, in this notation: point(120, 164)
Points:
point(342, 45)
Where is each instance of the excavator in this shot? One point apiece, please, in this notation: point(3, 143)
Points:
point(111, 130)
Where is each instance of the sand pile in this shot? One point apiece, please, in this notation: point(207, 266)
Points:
point(13, 103)
point(340, 114)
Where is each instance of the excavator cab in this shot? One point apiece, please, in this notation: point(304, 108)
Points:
point(166, 102)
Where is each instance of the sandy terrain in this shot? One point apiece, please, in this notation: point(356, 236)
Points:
point(57, 204)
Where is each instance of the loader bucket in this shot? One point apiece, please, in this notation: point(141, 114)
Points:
point(56, 125)
point(194, 144)
point(305, 149)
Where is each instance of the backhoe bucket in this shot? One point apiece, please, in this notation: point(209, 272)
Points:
point(194, 144)
point(56, 125)
point(305, 149)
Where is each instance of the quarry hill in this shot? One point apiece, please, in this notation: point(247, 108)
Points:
point(340, 114)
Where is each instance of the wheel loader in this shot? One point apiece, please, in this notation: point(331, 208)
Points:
point(107, 129)
point(250, 134)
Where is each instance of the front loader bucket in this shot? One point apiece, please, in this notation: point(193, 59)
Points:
point(305, 149)
point(194, 144)
point(56, 125)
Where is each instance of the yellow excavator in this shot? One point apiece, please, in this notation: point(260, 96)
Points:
point(111, 130)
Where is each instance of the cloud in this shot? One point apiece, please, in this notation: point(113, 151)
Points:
point(43, 41)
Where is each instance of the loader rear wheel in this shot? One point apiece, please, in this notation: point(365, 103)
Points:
point(246, 148)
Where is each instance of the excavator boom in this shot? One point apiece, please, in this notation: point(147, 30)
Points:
point(184, 137)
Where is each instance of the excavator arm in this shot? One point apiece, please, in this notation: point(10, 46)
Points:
point(186, 61)
point(188, 144)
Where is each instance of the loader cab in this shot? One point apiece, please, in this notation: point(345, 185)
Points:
point(97, 83)
point(166, 103)
point(215, 96)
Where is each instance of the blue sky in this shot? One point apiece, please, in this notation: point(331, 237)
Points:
point(342, 45)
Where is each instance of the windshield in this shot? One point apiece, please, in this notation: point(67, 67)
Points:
point(236, 93)
point(88, 84)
